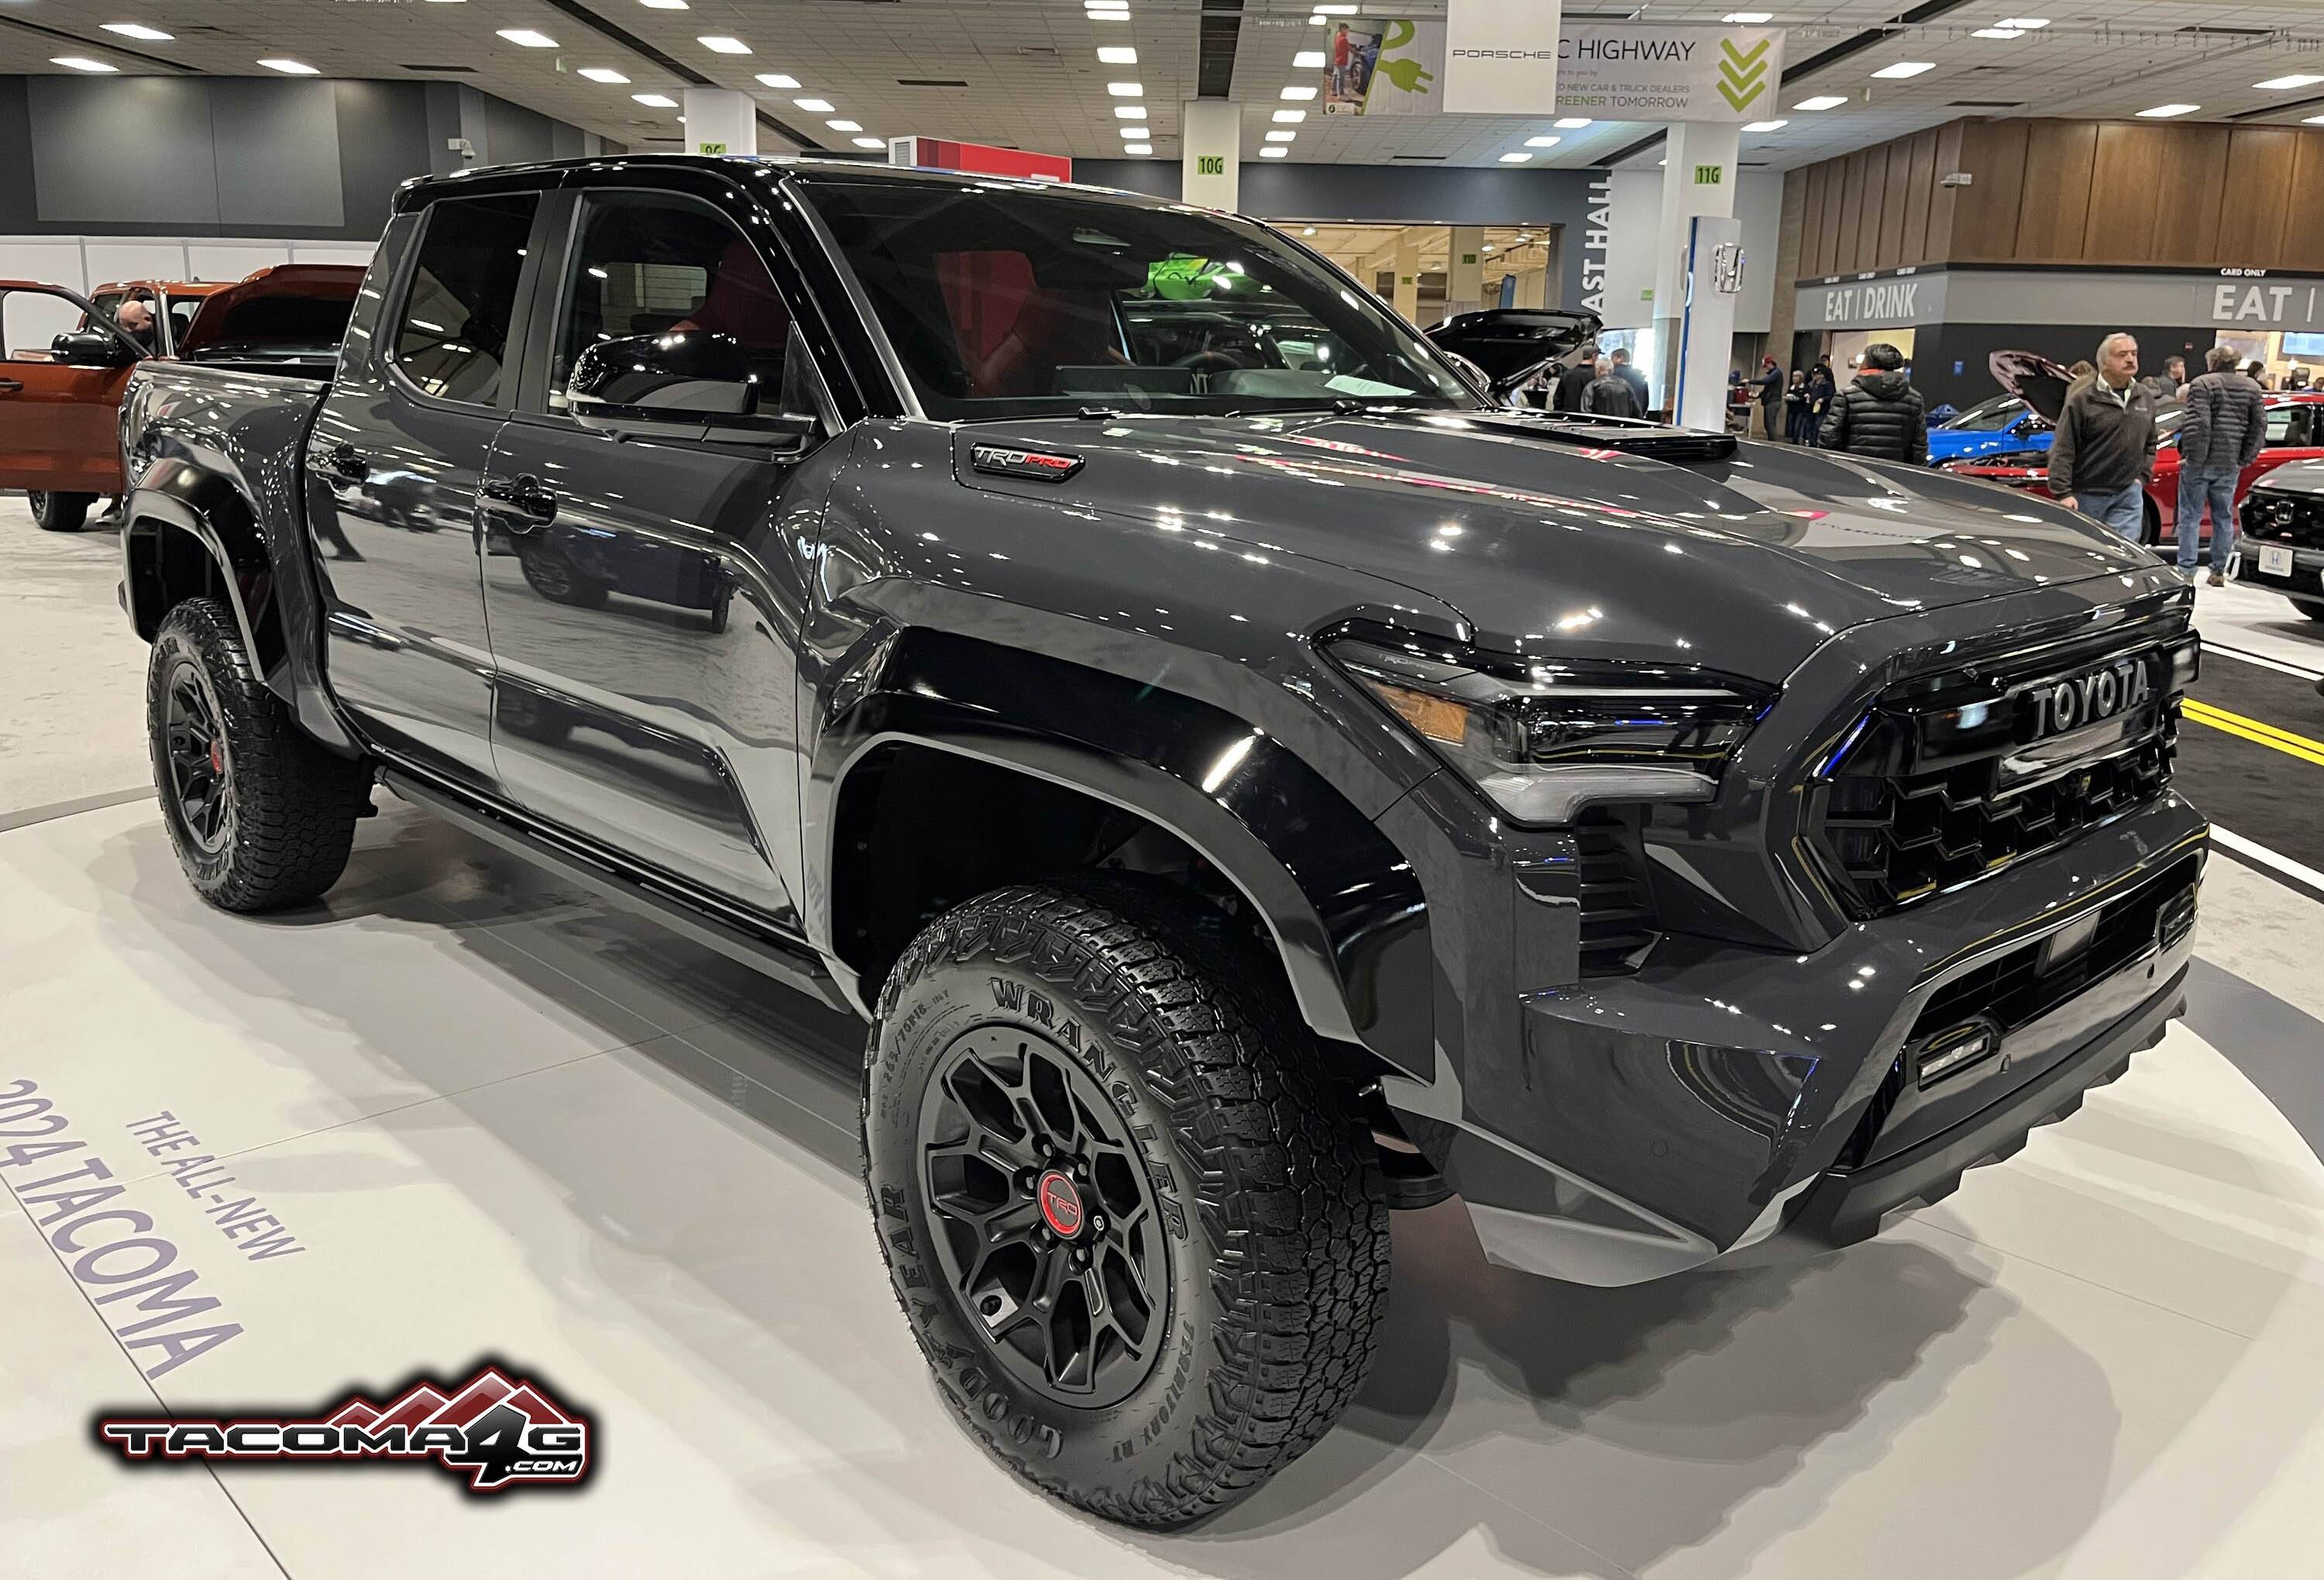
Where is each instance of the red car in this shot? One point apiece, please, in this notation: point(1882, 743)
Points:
point(2295, 433)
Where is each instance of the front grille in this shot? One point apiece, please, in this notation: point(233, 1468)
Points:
point(1920, 801)
point(2297, 519)
point(1617, 915)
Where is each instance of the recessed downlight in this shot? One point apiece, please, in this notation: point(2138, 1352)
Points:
point(816, 106)
point(1517, 159)
point(656, 101)
point(527, 38)
point(719, 43)
point(778, 79)
point(1544, 141)
point(138, 30)
point(602, 74)
point(1117, 55)
point(1822, 101)
point(1905, 69)
point(1289, 117)
point(1275, 150)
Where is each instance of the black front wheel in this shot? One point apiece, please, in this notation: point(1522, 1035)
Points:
point(1129, 1215)
point(59, 513)
point(260, 815)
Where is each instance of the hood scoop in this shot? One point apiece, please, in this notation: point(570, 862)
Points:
point(1651, 440)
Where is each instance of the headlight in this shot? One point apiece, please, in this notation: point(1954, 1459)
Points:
point(1542, 740)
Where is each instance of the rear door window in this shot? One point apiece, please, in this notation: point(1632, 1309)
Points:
point(451, 338)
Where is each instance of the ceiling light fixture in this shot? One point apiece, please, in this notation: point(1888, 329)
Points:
point(1275, 151)
point(1999, 32)
point(1822, 101)
point(1748, 18)
point(1130, 112)
point(778, 79)
point(1544, 141)
point(1125, 89)
point(81, 63)
point(1135, 133)
point(1309, 231)
point(2296, 80)
point(1905, 69)
point(663, 4)
point(290, 67)
point(2028, 22)
point(845, 125)
point(2313, 121)
point(2164, 112)
point(1117, 55)
point(723, 44)
point(1289, 117)
point(1307, 60)
point(602, 74)
point(1571, 123)
point(1517, 157)
point(659, 101)
point(867, 142)
point(1282, 134)
point(816, 106)
point(1297, 95)
point(1138, 148)
point(138, 30)
point(527, 38)
point(1765, 126)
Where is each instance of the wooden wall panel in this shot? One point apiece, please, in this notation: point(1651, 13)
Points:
point(1835, 208)
point(1898, 196)
point(2122, 217)
point(1812, 257)
point(1920, 189)
point(1985, 217)
point(1851, 213)
point(2189, 177)
point(1867, 217)
point(2053, 215)
point(2303, 225)
point(2256, 195)
point(1943, 200)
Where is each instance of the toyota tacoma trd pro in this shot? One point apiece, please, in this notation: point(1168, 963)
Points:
point(1245, 785)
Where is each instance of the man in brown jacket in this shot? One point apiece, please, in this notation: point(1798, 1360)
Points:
point(2104, 453)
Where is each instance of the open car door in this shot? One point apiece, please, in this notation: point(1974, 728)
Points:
point(60, 389)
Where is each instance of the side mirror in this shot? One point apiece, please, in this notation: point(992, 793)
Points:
point(690, 383)
point(90, 348)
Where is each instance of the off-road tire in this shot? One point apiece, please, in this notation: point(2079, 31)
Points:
point(59, 513)
point(1277, 1265)
point(293, 805)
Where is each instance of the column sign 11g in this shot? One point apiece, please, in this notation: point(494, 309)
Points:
point(1709, 175)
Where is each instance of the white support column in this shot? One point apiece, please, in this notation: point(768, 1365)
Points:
point(720, 120)
point(1210, 136)
point(1464, 270)
point(1407, 273)
point(1698, 178)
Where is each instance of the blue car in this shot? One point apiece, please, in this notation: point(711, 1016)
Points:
point(1990, 427)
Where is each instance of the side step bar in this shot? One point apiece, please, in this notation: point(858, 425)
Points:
point(789, 963)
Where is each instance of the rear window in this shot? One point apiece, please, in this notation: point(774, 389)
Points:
point(1002, 302)
point(451, 338)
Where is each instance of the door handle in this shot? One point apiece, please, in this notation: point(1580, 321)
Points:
point(10, 386)
point(521, 503)
point(349, 462)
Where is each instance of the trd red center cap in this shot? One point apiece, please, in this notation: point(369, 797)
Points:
point(218, 756)
point(1061, 1204)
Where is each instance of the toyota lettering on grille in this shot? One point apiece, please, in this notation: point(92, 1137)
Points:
point(2089, 697)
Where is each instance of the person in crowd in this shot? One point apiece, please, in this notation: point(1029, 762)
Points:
point(2174, 376)
point(1795, 407)
point(135, 318)
point(1770, 380)
point(1567, 395)
point(2080, 372)
point(2297, 379)
point(1821, 387)
point(1632, 377)
point(1880, 416)
point(2226, 421)
point(1344, 56)
point(1608, 394)
point(2257, 371)
point(2104, 453)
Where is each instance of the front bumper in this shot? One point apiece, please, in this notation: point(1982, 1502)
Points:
point(2305, 584)
point(1724, 1098)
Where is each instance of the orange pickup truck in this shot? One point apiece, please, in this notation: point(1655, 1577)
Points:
point(58, 439)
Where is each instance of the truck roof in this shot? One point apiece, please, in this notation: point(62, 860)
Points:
point(169, 287)
point(799, 163)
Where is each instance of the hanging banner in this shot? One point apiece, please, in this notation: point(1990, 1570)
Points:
point(1500, 56)
point(1649, 71)
point(1384, 66)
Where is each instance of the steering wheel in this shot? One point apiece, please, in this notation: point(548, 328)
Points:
point(1208, 362)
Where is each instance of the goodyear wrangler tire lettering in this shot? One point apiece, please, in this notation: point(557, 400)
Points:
point(1210, 1093)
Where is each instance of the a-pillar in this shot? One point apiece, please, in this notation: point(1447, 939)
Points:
point(1464, 270)
point(1211, 136)
point(1698, 178)
point(1407, 272)
point(720, 120)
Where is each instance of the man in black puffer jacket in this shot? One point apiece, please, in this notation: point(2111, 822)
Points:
point(1880, 416)
point(2226, 421)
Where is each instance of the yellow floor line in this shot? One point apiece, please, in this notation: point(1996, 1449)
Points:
point(2252, 729)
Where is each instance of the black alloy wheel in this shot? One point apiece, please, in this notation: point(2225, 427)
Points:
point(1048, 1231)
point(201, 766)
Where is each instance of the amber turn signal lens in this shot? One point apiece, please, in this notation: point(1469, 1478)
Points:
point(1434, 716)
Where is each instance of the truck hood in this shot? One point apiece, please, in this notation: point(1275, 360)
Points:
point(1546, 546)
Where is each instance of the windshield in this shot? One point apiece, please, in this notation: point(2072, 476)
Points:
point(1003, 303)
point(1990, 416)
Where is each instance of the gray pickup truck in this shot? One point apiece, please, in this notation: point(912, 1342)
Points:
point(1248, 780)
